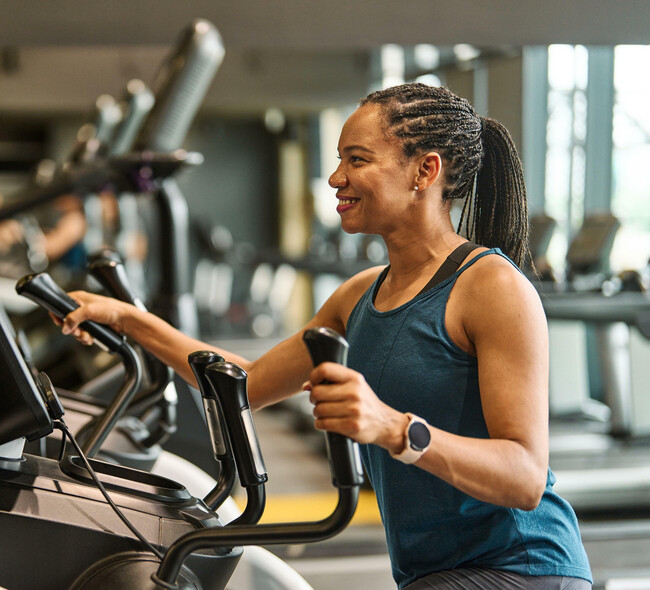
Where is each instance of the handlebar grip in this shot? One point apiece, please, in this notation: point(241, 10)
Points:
point(326, 345)
point(198, 361)
point(228, 382)
point(107, 267)
point(106, 253)
point(42, 289)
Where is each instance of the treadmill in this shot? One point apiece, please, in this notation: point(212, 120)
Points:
point(600, 448)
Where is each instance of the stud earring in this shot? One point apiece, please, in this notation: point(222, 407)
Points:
point(417, 188)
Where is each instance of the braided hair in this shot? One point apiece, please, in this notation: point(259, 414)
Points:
point(481, 162)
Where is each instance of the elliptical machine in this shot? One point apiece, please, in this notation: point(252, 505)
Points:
point(136, 439)
point(178, 541)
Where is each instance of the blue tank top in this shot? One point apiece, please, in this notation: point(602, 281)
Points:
point(411, 363)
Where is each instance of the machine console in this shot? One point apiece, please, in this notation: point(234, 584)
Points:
point(23, 412)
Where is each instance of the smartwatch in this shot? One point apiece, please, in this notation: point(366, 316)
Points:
point(417, 439)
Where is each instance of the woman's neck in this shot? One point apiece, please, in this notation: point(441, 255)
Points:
point(418, 248)
point(414, 259)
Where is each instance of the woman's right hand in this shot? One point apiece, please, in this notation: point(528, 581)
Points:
point(103, 310)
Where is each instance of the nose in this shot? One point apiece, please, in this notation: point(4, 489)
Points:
point(338, 178)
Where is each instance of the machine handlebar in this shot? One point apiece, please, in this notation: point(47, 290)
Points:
point(326, 345)
point(42, 289)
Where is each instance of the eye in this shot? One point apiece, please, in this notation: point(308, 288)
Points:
point(352, 159)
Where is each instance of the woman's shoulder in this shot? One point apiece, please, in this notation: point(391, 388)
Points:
point(490, 268)
point(340, 304)
point(364, 278)
point(493, 300)
point(494, 280)
point(353, 288)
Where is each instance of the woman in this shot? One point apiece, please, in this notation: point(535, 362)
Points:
point(447, 377)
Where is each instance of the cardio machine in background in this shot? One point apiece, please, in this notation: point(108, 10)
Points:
point(140, 156)
point(575, 393)
point(599, 337)
point(597, 333)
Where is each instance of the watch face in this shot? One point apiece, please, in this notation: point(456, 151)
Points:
point(419, 436)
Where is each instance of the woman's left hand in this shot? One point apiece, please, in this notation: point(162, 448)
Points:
point(345, 403)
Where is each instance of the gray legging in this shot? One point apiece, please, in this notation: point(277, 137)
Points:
point(486, 579)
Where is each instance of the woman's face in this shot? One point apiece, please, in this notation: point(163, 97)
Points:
point(374, 182)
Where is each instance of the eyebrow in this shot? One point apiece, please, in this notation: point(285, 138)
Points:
point(349, 148)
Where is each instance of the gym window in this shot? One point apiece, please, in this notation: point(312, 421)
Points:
point(597, 128)
point(631, 156)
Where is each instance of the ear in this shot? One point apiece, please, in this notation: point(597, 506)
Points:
point(429, 168)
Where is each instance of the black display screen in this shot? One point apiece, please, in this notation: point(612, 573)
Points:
point(22, 410)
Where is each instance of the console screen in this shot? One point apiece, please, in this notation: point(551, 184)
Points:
point(22, 410)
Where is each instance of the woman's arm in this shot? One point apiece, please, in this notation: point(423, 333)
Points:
point(158, 337)
point(503, 321)
point(276, 375)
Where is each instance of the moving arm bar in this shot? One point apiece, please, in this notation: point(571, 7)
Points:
point(263, 534)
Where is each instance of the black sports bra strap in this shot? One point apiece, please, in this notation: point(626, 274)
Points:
point(447, 268)
point(380, 280)
point(450, 265)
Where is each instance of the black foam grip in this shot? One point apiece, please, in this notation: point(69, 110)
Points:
point(229, 384)
point(198, 361)
point(326, 345)
point(42, 289)
point(107, 267)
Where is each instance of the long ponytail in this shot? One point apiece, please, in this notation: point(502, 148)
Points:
point(496, 213)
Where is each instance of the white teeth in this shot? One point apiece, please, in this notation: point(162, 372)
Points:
point(347, 201)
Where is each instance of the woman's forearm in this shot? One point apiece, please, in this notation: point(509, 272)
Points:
point(168, 344)
point(498, 471)
point(276, 375)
